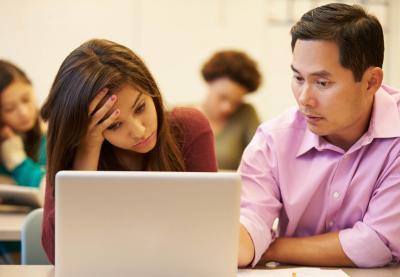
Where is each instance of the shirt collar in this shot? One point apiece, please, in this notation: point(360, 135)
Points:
point(310, 140)
point(385, 119)
point(384, 123)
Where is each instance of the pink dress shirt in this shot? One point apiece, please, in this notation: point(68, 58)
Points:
point(314, 187)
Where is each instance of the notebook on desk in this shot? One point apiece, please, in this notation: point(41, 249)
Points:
point(20, 196)
point(146, 224)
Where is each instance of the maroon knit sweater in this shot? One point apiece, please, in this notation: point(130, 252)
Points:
point(197, 145)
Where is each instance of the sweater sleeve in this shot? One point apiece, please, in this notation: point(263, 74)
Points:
point(197, 140)
point(28, 173)
point(253, 121)
point(48, 226)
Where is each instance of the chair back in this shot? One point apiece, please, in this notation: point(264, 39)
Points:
point(32, 252)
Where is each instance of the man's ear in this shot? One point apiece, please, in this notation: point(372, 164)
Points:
point(373, 77)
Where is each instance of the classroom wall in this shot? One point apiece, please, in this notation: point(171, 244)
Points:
point(392, 45)
point(174, 37)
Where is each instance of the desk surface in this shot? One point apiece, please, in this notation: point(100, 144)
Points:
point(10, 222)
point(10, 225)
point(48, 271)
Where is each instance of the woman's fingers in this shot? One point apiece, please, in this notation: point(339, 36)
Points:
point(99, 115)
point(96, 100)
point(109, 120)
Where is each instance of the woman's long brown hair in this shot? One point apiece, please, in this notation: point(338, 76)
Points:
point(95, 65)
point(10, 73)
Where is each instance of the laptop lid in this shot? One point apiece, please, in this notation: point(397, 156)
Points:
point(146, 224)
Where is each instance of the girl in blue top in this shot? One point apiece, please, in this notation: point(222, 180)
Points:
point(22, 142)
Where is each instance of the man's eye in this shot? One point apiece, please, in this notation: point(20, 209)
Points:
point(298, 78)
point(323, 84)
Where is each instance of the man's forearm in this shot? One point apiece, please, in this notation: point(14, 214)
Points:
point(321, 250)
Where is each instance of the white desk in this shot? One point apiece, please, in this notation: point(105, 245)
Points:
point(10, 221)
point(10, 225)
point(26, 271)
point(48, 271)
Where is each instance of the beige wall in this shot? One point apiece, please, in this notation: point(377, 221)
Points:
point(173, 36)
point(392, 45)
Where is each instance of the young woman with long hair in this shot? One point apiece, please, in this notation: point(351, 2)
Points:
point(105, 112)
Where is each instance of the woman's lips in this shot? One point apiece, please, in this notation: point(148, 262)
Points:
point(144, 142)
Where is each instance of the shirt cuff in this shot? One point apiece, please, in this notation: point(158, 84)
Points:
point(259, 232)
point(364, 247)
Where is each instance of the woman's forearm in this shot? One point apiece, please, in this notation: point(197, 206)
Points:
point(87, 158)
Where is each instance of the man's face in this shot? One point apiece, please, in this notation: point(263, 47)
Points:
point(333, 103)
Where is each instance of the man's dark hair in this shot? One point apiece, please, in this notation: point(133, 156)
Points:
point(359, 35)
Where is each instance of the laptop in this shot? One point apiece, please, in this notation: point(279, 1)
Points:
point(169, 224)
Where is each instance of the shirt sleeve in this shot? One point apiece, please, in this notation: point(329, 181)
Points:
point(48, 226)
point(260, 200)
point(375, 241)
point(28, 172)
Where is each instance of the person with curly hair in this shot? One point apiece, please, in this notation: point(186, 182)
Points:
point(230, 75)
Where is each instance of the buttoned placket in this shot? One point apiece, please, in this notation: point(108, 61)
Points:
point(337, 189)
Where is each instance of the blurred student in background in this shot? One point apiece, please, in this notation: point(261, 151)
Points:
point(22, 139)
point(230, 75)
point(23, 143)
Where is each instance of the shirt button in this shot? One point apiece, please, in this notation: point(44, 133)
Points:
point(336, 195)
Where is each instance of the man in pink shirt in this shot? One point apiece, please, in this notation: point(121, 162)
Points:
point(329, 169)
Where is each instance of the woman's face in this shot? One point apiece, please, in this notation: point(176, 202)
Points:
point(18, 106)
point(224, 97)
point(135, 129)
